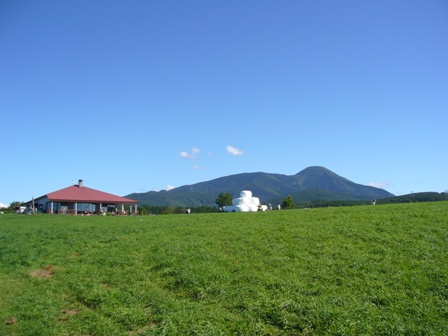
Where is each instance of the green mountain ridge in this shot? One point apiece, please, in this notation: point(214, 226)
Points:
point(307, 185)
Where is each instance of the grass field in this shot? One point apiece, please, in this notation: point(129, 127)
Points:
point(365, 270)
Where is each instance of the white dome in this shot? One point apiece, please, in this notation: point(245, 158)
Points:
point(241, 208)
point(255, 201)
point(246, 193)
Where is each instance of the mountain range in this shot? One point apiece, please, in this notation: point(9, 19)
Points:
point(311, 184)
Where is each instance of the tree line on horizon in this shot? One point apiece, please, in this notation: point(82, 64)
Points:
point(225, 199)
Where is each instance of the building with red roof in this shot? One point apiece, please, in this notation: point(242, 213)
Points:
point(80, 199)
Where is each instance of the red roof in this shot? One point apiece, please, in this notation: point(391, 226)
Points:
point(83, 194)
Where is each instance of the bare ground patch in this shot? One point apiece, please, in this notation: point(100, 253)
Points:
point(70, 312)
point(141, 330)
point(44, 273)
point(66, 314)
point(11, 321)
point(105, 286)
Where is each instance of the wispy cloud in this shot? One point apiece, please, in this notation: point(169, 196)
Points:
point(234, 151)
point(378, 184)
point(196, 167)
point(192, 155)
point(167, 188)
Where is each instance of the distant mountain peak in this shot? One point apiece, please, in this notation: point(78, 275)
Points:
point(266, 186)
point(316, 170)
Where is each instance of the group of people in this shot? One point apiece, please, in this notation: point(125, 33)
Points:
point(269, 207)
point(279, 207)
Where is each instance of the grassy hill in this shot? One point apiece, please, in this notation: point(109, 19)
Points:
point(359, 270)
point(270, 188)
point(417, 197)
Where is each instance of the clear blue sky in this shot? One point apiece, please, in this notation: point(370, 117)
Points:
point(133, 96)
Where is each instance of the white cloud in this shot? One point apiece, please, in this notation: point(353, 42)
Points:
point(196, 167)
point(169, 187)
point(234, 151)
point(192, 155)
point(3, 205)
point(378, 184)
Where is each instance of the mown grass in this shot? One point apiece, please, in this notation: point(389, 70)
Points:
point(367, 270)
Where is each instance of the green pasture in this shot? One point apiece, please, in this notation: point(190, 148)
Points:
point(363, 270)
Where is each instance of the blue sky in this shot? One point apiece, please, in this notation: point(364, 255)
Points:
point(133, 96)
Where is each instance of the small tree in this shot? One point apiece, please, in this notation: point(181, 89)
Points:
point(288, 203)
point(143, 210)
point(12, 207)
point(169, 210)
point(224, 199)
